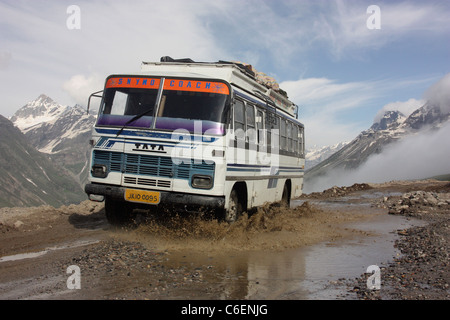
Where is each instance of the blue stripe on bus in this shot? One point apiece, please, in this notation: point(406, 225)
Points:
point(251, 167)
point(110, 143)
point(159, 135)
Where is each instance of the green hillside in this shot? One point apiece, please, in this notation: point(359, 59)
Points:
point(28, 177)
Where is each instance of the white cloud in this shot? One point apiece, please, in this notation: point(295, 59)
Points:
point(80, 87)
point(5, 60)
point(323, 100)
point(419, 156)
point(312, 91)
point(343, 26)
point(415, 157)
point(325, 130)
point(409, 17)
point(275, 36)
point(405, 107)
point(328, 106)
point(439, 93)
point(114, 37)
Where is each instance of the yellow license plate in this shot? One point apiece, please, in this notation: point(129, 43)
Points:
point(142, 196)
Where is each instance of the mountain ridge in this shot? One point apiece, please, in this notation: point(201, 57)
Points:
point(62, 132)
point(30, 178)
point(315, 155)
point(393, 126)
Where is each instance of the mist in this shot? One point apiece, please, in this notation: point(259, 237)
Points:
point(418, 156)
point(439, 94)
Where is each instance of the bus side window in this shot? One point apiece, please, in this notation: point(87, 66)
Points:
point(302, 141)
point(276, 133)
point(239, 120)
point(260, 127)
point(250, 121)
point(289, 132)
point(283, 142)
point(273, 131)
point(295, 138)
point(268, 121)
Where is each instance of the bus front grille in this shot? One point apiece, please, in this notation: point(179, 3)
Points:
point(151, 165)
point(147, 182)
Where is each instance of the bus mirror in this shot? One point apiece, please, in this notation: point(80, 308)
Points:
point(95, 94)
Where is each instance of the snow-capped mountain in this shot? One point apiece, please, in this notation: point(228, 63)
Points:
point(41, 110)
point(316, 155)
point(62, 132)
point(390, 120)
point(48, 124)
point(392, 127)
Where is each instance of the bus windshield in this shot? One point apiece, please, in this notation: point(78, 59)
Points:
point(183, 104)
point(121, 105)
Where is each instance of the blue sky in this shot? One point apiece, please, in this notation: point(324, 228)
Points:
point(340, 72)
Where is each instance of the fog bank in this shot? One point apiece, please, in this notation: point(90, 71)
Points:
point(418, 156)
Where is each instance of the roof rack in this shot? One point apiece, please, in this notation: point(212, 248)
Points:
point(170, 59)
point(244, 68)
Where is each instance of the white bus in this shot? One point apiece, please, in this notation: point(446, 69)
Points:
point(189, 135)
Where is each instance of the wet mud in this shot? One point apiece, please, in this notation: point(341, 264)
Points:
point(314, 250)
point(269, 228)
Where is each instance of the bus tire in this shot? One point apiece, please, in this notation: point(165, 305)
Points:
point(286, 198)
point(234, 207)
point(118, 213)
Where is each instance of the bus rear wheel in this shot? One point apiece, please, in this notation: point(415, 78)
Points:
point(286, 198)
point(234, 207)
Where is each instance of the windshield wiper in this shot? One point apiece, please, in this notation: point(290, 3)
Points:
point(156, 107)
point(136, 117)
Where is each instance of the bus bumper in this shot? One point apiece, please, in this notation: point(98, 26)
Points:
point(167, 198)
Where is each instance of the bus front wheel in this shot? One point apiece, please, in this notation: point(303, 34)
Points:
point(118, 213)
point(234, 207)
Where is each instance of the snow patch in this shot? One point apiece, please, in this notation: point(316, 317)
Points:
point(405, 107)
point(31, 181)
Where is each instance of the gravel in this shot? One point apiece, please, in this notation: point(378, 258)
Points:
point(422, 271)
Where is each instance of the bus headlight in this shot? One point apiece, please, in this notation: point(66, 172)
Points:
point(202, 181)
point(99, 171)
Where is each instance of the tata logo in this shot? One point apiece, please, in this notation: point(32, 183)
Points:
point(149, 147)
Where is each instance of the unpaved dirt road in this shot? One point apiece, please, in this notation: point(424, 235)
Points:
point(318, 249)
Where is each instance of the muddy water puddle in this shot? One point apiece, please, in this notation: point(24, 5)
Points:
point(304, 253)
point(327, 264)
point(30, 255)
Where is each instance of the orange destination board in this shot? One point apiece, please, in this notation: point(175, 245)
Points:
point(169, 84)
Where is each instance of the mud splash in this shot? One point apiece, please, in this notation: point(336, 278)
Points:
point(269, 228)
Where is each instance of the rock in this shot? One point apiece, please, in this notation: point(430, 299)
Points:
point(263, 78)
point(18, 224)
point(413, 203)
